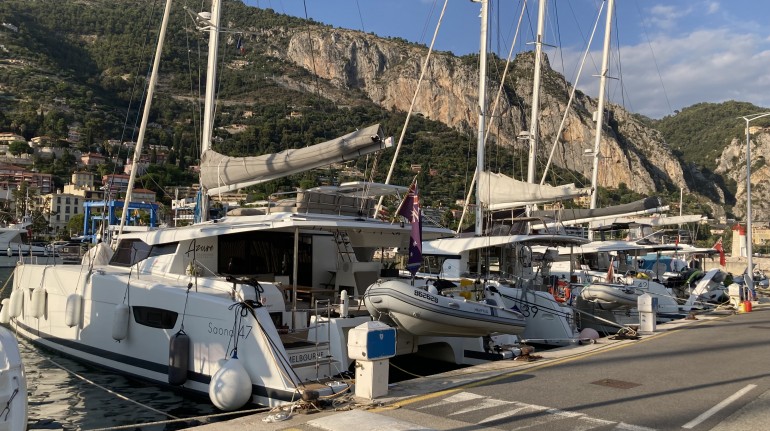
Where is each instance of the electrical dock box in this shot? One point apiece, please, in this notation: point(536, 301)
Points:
point(372, 341)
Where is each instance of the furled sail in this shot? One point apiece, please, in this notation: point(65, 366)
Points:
point(499, 191)
point(220, 173)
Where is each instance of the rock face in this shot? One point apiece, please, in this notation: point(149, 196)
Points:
point(388, 71)
point(732, 164)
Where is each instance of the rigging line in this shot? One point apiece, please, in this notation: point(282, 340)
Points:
point(360, 17)
point(494, 107)
point(654, 59)
point(414, 100)
point(563, 77)
point(312, 51)
point(619, 62)
point(572, 93)
point(427, 21)
point(196, 117)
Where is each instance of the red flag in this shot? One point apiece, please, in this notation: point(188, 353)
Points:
point(718, 247)
point(610, 272)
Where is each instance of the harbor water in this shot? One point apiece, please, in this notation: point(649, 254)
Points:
point(65, 394)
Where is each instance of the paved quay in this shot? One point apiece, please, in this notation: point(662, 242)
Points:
point(705, 374)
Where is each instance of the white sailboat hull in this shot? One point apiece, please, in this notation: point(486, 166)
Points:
point(422, 313)
point(549, 322)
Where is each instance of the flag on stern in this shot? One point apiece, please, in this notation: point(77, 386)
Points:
point(718, 247)
point(410, 209)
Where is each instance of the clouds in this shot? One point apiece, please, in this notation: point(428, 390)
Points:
point(672, 54)
point(693, 54)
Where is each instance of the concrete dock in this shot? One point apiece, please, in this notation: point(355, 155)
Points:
point(708, 373)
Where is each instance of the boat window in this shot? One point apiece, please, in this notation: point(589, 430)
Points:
point(265, 253)
point(155, 317)
point(161, 249)
point(129, 252)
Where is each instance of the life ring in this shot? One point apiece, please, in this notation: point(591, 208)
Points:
point(561, 292)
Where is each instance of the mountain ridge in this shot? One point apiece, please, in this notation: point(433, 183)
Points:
point(328, 74)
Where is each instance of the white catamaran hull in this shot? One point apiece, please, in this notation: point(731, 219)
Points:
point(159, 308)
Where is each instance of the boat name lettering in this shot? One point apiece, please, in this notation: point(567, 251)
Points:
point(306, 357)
point(194, 247)
point(243, 332)
point(426, 295)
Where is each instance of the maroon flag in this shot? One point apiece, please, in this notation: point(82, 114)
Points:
point(410, 209)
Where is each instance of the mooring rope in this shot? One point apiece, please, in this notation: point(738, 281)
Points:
point(110, 391)
point(174, 419)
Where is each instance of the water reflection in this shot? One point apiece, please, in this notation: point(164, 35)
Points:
point(64, 394)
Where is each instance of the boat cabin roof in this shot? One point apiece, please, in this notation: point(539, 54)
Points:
point(458, 245)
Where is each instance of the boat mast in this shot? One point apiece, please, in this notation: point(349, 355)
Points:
point(600, 107)
point(482, 109)
point(208, 111)
point(533, 126)
point(145, 115)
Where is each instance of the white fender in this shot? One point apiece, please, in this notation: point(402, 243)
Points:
point(230, 386)
point(344, 303)
point(72, 310)
point(37, 307)
point(120, 322)
point(5, 314)
point(17, 302)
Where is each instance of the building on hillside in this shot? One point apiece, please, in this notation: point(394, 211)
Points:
point(141, 166)
point(143, 195)
point(8, 137)
point(115, 183)
point(61, 207)
point(92, 159)
point(11, 177)
point(82, 184)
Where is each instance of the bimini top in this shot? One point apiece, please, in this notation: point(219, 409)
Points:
point(457, 245)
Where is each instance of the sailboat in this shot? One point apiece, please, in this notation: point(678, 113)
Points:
point(230, 308)
point(497, 262)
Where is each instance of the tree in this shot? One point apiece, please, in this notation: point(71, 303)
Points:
point(18, 147)
point(75, 224)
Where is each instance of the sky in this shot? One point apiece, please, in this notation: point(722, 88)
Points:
point(665, 55)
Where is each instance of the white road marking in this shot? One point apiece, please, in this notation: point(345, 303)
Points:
point(483, 404)
point(629, 427)
point(710, 412)
point(456, 398)
point(509, 413)
point(544, 414)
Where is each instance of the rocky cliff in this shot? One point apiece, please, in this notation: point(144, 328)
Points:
point(387, 72)
point(732, 164)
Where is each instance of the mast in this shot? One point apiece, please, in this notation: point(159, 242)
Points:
point(145, 115)
point(482, 108)
point(208, 111)
point(600, 107)
point(533, 127)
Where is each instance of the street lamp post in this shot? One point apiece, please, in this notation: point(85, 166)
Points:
point(749, 239)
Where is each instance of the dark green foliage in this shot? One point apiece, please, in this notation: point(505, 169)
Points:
point(700, 132)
